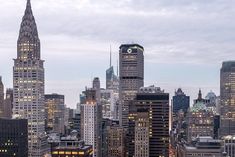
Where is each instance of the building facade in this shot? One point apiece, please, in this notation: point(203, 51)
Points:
point(13, 138)
point(200, 122)
point(227, 97)
point(1, 98)
point(90, 125)
point(203, 147)
point(131, 63)
point(142, 131)
point(71, 148)
point(155, 102)
point(115, 141)
point(55, 111)
point(8, 103)
point(180, 102)
point(28, 82)
point(229, 145)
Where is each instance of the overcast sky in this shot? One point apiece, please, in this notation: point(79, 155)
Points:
point(185, 41)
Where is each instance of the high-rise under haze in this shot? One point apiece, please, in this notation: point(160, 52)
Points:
point(28, 82)
point(55, 111)
point(8, 103)
point(131, 63)
point(1, 98)
point(227, 96)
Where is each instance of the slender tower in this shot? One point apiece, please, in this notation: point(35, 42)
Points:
point(1, 98)
point(28, 81)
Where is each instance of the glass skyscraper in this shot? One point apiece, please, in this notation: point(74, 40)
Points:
point(227, 94)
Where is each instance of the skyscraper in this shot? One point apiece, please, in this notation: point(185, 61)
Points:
point(90, 125)
point(28, 82)
point(152, 122)
point(131, 63)
point(227, 96)
point(55, 111)
point(180, 101)
point(1, 98)
point(142, 131)
point(13, 138)
point(8, 103)
point(112, 81)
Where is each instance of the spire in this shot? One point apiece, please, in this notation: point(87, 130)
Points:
point(29, 33)
point(200, 95)
point(28, 28)
point(110, 61)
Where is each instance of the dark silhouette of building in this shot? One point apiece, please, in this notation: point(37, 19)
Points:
point(13, 138)
point(8, 103)
point(180, 102)
point(155, 102)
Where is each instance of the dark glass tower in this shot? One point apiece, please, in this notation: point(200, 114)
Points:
point(227, 95)
point(28, 82)
point(131, 63)
point(13, 138)
point(180, 101)
point(149, 118)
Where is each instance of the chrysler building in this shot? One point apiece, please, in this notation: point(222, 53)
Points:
point(28, 81)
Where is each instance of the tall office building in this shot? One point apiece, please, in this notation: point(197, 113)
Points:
point(227, 97)
point(180, 101)
point(8, 103)
point(115, 141)
point(151, 103)
point(131, 63)
point(13, 138)
point(1, 98)
point(90, 124)
point(28, 81)
point(142, 132)
point(55, 111)
point(98, 116)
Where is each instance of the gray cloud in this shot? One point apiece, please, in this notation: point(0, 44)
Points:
point(73, 31)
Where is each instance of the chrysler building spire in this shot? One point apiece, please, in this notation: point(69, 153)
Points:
point(28, 35)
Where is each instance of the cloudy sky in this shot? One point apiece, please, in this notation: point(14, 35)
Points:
point(185, 41)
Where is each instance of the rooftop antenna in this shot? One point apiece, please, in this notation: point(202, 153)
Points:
point(110, 61)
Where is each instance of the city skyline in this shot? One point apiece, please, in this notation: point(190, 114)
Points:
point(171, 60)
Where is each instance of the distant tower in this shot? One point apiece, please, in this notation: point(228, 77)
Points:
point(180, 102)
point(131, 61)
point(28, 81)
point(227, 95)
point(55, 111)
point(112, 81)
point(8, 103)
point(96, 83)
point(1, 98)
